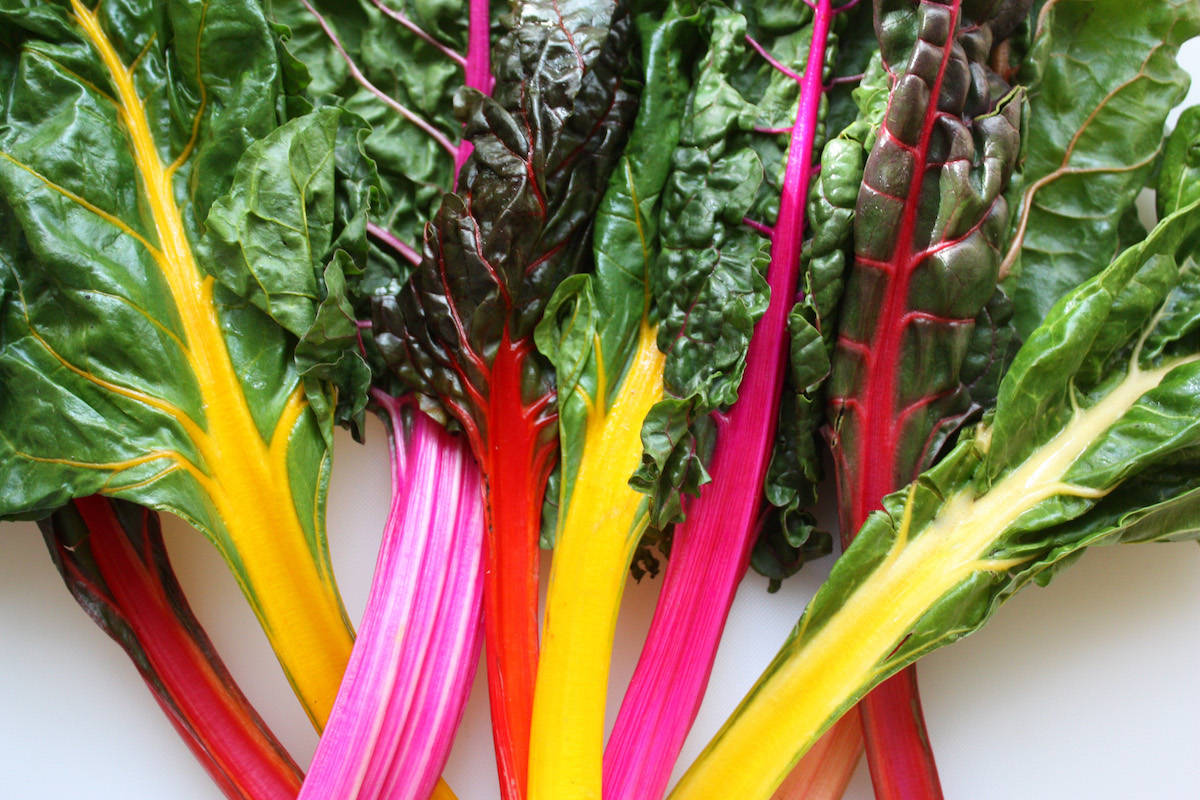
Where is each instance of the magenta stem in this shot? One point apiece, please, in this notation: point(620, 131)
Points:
point(404, 249)
point(711, 547)
point(478, 67)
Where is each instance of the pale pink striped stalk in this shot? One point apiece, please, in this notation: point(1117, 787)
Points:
point(404, 690)
point(711, 548)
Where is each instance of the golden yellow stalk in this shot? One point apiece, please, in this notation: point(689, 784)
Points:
point(816, 677)
point(604, 521)
point(247, 475)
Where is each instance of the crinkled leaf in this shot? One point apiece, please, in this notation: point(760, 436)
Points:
point(929, 225)
point(591, 326)
point(708, 283)
point(414, 169)
point(278, 239)
point(494, 254)
point(784, 542)
point(1102, 75)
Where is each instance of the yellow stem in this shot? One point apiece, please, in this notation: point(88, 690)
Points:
point(285, 577)
point(603, 523)
point(819, 674)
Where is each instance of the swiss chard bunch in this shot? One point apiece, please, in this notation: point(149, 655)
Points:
point(173, 264)
point(460, 331)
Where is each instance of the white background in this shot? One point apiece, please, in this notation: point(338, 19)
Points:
point(1088, 688)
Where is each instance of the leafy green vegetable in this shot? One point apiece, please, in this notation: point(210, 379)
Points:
point(143, 373)
point(1093, 441)
point(1102, 75)
point(1179, 178)
point(459, 332)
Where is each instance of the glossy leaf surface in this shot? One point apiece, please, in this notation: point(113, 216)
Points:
point(142, 374)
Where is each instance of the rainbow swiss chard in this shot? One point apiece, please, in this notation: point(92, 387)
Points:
point(177, 334)
point(1093, 441)
point(112, 557)
point(460, 330)
point(599, 333)
point(929, 225)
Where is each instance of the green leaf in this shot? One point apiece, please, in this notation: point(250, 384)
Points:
point(1102, 75)
point(1179, 179)
point(126, 367)
point(277, 240)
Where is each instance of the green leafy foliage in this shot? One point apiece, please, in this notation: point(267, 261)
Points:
point(495, 253)
point(591, 324)
point(708, 282)
point(173, 319)
point(1179, 177)
point(789, 536)
point(1102, 75)
point(929, 224)
point(409, 70)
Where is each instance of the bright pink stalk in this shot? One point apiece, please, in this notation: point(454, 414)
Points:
point(403, 694)
point(711, 548)
point(478, 67)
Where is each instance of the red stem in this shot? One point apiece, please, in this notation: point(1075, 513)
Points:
point(197, 693)
point(516, 463)
point(898, 748)
point(711, 548)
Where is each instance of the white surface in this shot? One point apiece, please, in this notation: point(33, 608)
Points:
point(1085, 689)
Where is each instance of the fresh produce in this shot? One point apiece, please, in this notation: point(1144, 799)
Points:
point(112, 557)
point(622, 280)
point(1090, 444)
point(460, 330)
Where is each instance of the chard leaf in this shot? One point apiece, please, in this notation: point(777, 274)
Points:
point(789, 537)
point(1102, 75)
point(1069, 460)
point(1179, 180)
point(127, 368)
point(929, 224)
point(495, 253)
point(593, 324)
point(708, 282)
point(383, 65)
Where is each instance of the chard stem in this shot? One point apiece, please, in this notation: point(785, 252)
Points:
point(118, 571)
point(403, 694)
point(711, 547)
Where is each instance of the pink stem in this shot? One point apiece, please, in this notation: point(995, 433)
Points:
point(478, 67)
point(711, 547)
point(409, 675)
point(406, 251)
